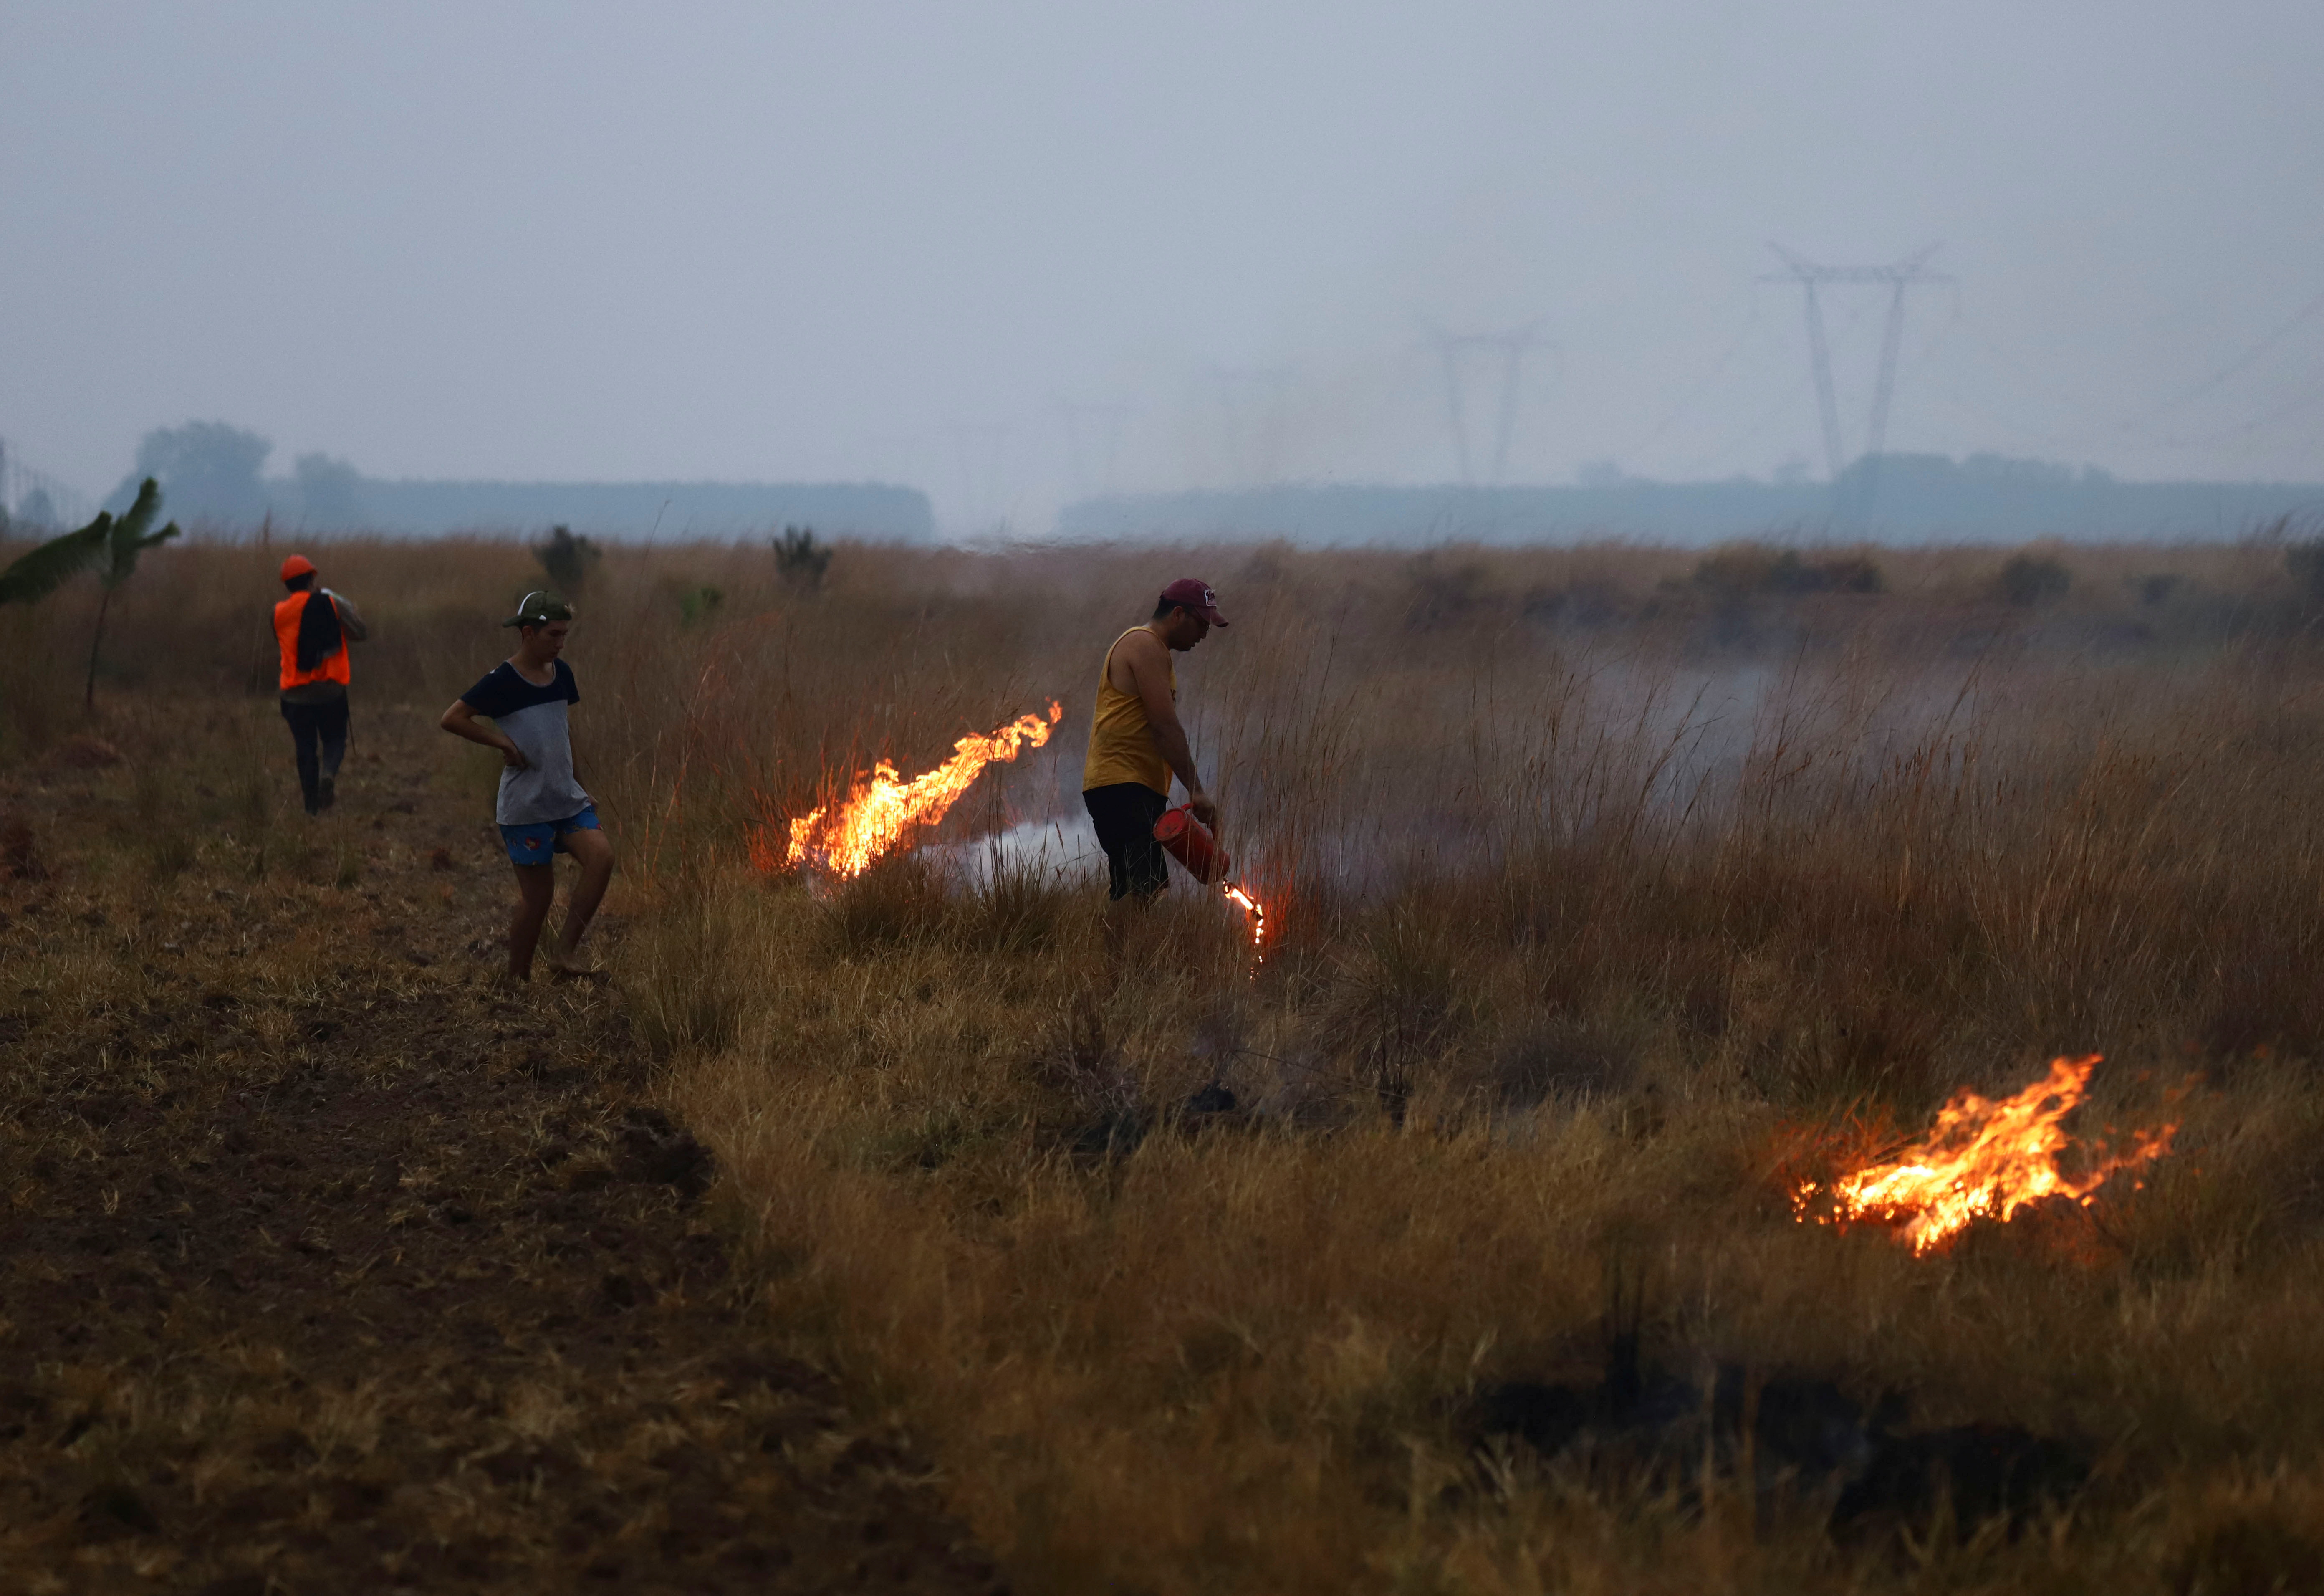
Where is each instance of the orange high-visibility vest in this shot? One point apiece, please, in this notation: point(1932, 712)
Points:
point(332, 667)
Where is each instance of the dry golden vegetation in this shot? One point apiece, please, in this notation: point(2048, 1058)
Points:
point(1611, 889)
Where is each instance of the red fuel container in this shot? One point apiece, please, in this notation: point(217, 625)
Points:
point(1190, 842)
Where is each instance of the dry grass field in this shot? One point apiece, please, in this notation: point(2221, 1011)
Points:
point(328, 1264)
point(1611, 893)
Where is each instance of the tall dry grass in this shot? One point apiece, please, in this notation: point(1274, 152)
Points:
point(1606, 885)
point(1588, 919)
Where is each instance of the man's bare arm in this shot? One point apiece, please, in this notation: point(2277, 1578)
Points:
point(461, 722)
point(1149, 669)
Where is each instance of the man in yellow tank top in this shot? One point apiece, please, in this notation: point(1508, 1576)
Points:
point(1136, 742)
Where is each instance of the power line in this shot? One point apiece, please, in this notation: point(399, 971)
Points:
point(2089, 431)
point(2235, 367)
point(1700, 384)
point(2306, 401)
point(1770, 407)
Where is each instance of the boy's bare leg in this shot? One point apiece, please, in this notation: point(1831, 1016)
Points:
point(593, 851)
point(536, 887)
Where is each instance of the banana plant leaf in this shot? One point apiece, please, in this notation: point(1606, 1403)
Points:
point(40, 572)
point(130, 538)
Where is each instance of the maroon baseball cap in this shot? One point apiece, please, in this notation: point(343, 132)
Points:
point(1196, 596)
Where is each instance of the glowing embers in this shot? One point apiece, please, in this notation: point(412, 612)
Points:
point(885, 810)
point(1985, 1159)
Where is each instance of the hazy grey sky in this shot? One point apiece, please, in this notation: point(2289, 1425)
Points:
point(770, 241)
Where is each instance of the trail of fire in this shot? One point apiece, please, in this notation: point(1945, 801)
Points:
point(1188, 841)
point(1984, 1160)
point(1258, 912)
point(884, 809)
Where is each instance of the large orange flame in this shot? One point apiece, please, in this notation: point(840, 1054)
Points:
point(1984, 1160)
point(885, 808)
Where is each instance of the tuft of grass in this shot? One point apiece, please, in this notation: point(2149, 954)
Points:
point(161, 822)
point(898, 904)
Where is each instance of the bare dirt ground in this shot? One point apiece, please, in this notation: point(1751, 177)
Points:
point(326, 1265)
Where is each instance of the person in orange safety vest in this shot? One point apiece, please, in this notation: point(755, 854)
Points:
point(313, 637)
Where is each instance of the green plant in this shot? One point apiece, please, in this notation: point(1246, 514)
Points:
point(128, 540)
point(568, 560)
point(109, 546)
point(697, 605)
point(162, 827)
point(34, 576)
point(799, 559)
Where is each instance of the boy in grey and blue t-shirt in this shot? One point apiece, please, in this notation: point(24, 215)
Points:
point(542, 809)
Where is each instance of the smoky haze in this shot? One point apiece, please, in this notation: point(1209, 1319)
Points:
point(1024, 254)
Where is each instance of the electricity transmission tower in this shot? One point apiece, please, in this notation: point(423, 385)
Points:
point(1511, 347)
point(1908, 272)
point(35, 496)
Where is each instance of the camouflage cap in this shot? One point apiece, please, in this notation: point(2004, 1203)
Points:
point(538, 608)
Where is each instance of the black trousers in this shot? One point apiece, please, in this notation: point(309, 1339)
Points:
point(324, 724)
point(1124, 815)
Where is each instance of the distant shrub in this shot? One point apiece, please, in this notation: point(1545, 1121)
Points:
point(2156, 588)
point(1744, 570)
point(697, 605)
point(800, 560)
point(568, 560)
point(1443, 595)
point(1851, 573)
point(2030, 579)
point(2304, 561)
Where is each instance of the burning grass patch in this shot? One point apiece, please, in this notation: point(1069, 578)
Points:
point(1986, 1160)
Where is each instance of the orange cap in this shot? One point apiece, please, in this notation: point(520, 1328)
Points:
point(298, 565)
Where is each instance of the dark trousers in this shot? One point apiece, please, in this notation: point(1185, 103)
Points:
point(312, 723)
point(1124, 815)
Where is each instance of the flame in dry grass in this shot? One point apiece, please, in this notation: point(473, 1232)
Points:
point(1258, 912)
point(885, 808)
point(1985, 1159)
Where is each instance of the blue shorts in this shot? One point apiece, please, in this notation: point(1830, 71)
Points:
point(540, 843)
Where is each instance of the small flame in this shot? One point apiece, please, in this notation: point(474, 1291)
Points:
point(885, 808)
point(1258, 912)
point(1984, 1160)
